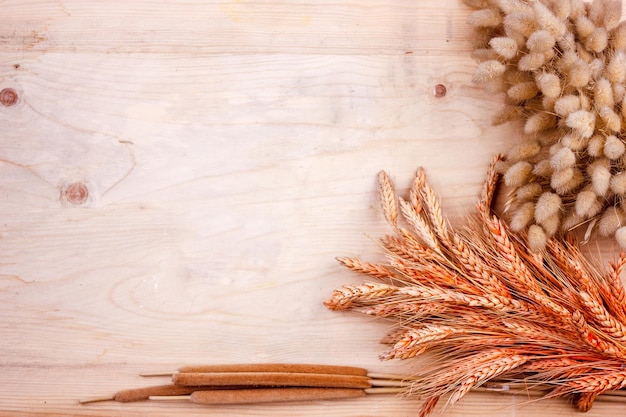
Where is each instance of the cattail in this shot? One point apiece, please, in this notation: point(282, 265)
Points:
point(566, 105)
point(610, 221)
point(549, 84)
point(528, 192)
point(507, 114)
point(595, 147)
point(583, 122)
point(548, 204)
point(523, 91)
point(521, 22)
point(523, 151)
point(603, 93)
point(540, 41)
point(587, 204)
point(563, 158)
point(548, 21)
point(618, 183)
point(598, 40)
point(613, 147)
point(531, 61)
point(600, 176)
point(616, 68)
point(612, 121)
point(484, 18)
point(539, 122)
point(579, 74)
point(488, 70)
point(504, 46)
point(537, 238)
point(584, 26)
point(522, 217)
point(518, 174)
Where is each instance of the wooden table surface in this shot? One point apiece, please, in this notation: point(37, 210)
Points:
point(177, 177)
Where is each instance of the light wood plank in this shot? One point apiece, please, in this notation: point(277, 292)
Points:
point(230, 151)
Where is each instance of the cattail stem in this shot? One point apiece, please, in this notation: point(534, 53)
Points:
point(276, 367)
point(266, 367)
point(270, 395)
point(285, 379)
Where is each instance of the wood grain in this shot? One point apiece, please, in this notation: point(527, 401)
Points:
point(230, 151)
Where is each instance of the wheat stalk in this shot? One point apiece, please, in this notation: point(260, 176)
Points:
point(487, 307)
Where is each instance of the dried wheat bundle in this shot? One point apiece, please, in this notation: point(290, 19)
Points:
point(485, 307)
point(562, 67)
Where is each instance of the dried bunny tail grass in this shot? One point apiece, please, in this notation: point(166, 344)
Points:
point(539, 122)
point(548, 205)
point(548, 21)
point(523, 91)
point(522, 217)
point(522, 22)
point(612, 14)
point(488, 70)
point(549, 84)
point(484, 18)
point(614, 147)
point(518, 174)
point(504, 46)
point(507, 114)
point(603, 93)
point(598, 40)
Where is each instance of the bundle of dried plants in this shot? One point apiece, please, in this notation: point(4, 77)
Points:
point(485, 307)
point(561, 65)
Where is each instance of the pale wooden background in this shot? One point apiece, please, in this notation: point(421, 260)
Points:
point(230, 150)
